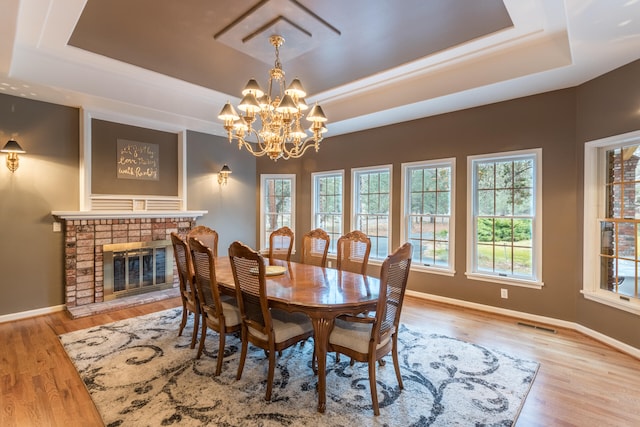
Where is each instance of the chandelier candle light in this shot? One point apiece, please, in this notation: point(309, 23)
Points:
point(280, 135)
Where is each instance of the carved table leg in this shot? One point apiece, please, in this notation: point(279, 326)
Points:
point(321, 328)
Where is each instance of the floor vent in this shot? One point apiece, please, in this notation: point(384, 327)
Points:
point(542, 328)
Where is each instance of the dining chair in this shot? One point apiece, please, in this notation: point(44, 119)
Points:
point(353, 252)
point(370, 338)
point(188, 291)
point(206, 235)
point(218, 313)
point(315, 246)
point(281, 244)
point(264, 327)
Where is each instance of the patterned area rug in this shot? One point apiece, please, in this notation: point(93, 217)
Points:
point(140, 373)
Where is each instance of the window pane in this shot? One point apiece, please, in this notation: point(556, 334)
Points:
point(444, 179)
point(484, 257)
point(485, 176)
point(606, 238)
point(428, 228)
point(504, 175)
point(442, 253)
point(416, 180)
point(428, 252)
point(635, 209)
point(430, 179)
point(626, 240)
point(504, 202)
point(486, 202)
point(502, 231)
point(442, 228)
point(416, 204)
point(523, 173)
point(443, 205)
point(484, 230)
point(415, 227)
point(523, 232)
point(522, 261)
point(322, 204)
point(384, 182)
point(523, 202)
point(502, 256)
point(384, 203)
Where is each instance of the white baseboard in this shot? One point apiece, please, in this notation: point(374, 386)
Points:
point(618, 345)
point(30, 313)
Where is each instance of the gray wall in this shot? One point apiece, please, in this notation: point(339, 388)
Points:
point(606, 106)
point(231, 207)
point(31, 254)
point(559, 122)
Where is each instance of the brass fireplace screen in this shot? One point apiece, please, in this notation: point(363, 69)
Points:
point(138, 267)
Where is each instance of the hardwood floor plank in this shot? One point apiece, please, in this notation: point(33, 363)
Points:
point(581, 382)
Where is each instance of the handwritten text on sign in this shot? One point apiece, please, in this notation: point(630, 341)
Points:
point(138, 160)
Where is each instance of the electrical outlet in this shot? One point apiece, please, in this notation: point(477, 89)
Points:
point(57, 227)
point(504, 293)
point(330, 264)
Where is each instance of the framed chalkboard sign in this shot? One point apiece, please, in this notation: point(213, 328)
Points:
point(138, 160)
point(133, 160)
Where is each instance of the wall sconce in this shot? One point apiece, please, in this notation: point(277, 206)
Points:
point(223, 175)
point(12, 148)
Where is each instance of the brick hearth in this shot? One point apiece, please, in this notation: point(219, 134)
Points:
point(84, 240)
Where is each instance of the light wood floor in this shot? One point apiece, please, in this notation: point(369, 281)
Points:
point(581, 382)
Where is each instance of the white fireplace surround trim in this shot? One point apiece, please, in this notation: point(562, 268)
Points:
point(90, 201)
point(80, 215)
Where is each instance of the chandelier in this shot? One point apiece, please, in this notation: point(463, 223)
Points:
point(280, 134)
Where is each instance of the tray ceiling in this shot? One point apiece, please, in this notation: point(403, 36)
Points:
point(370, 63)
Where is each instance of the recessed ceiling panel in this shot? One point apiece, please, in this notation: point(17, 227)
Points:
point(302, 29)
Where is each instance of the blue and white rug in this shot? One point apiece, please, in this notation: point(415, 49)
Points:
point(140, 373)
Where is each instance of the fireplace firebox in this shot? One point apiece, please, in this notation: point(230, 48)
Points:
point(137, 267)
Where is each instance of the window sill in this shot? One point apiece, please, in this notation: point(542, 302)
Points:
point(432, 270)
point(603, 297)
point(505, 280)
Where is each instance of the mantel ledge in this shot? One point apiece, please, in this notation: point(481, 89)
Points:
point(80, 215)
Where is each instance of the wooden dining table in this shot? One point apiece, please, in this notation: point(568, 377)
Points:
point(321, 293)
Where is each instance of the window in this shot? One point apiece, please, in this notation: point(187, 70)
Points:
point(505, 218)
point(371, 207)
point(427, 213)
point(612, 221)
point(277, 204)
point(326, 193)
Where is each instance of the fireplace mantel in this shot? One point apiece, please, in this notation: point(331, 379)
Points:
point(80, 215)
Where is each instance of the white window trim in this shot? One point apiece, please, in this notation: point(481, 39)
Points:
point(314, 205)
point(263, 177)
point(594, 203)
point(372, 259)
point(404, 203)
point(537, 232)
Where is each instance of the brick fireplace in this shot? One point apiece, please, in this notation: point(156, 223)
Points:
point(84, 261)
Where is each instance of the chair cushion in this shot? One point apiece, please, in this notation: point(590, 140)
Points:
point(231, 314)
point(353, 335)
point(286, 325)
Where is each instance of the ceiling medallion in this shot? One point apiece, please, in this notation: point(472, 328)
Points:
point(280, 134)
